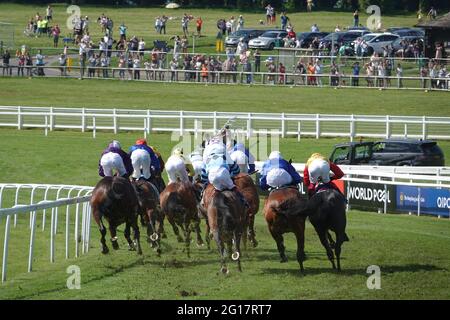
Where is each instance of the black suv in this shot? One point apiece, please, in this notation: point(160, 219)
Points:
point(389, 152)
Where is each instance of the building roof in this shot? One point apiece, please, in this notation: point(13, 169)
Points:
point(442, 22)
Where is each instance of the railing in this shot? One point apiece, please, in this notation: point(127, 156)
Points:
point(63, 197)
point(283, 124)
point(237, 77)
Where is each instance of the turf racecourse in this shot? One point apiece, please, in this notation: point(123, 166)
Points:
point(412, 252)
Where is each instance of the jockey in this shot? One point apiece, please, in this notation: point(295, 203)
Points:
point(114, 158)
point(178, 167)
point(196, 159)
point(144, 158)
point(243, 157)
point(277, 172)
point(317, 170)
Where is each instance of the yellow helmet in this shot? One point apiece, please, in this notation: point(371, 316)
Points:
point(315, 156)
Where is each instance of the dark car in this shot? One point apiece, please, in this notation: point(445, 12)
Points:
point(233, 39)
point(389, 152)
point(306, 38)
point(341, 38)
point(409, 34)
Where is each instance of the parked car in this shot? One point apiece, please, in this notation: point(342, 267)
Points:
point(409, 34)
point(306, 38)
point(341, 38)
point(233, 39)
point(377, 41)
point(268, 40)
point(389, 152)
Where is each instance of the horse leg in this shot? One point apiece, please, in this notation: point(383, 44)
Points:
point(127, 234)
point(237, 254)
point(323, 239)
point(102, 229)
point(251, 231)
point(113, 231)
point(187, 239)
point(137, 236)
point(175, 228)
point(331, 241)
point(161, 230)
point(300, 235)
point(198, 232)
point(278, 237)
point(340, 238)
point(208, 235)
point(221, 249)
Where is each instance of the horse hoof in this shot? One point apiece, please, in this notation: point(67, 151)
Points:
point(131, 248)
point(283, 260)
point(105, 250)
point(115, 245)
point(200, 244)
point(224, 270)
point(254, 243)
point(139, 252)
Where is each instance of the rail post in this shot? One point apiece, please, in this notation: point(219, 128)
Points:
point(5, 248)
point(388, 127)
point(317, 126)
point(31, 249)
point(352, 127)
point(424, 127)
point(19, 118)
point(115, 120)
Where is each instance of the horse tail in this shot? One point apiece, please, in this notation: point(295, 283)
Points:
point(117, 190)
point(225, 219)
point(172, 204)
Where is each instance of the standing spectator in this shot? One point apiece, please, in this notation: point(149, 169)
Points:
point(56, 31)
point(199, 24)
point(103, 47)
point(257, 56)
point(123, 32)
point(92, 62)
point(311, 71)
point(314, 28)
point(356, 18)
point(229, 26)
point(49, 13)
point(309, 5)
point(105, 65)
point(121, 66)
point(63, 64)
point(301, 69)
point(284, 20)
point(439, 52)
point(269, 12)
point(241, 46)
point(40, 63)
point(424, 75)
point(184, 44)
point(6, 68)
point(136, 67)
point(432, 14)
point(173, 69)
point(163, 24)
point(21, 63)
point(282, 71)
point(219, 41)
point(222, 26)
point(184, 24)
point(141, 47)
point(158, 24)
point(355, 72)
point(29, 64)
point(240, 23)
point(318, 71)
point(399, 76)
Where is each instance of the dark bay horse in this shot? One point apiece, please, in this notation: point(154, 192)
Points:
point(326, 211)
point(282, 211)
point(226, 216)
point(247, 187)
point(114, 198)
point(180, 205)
point(149, 211)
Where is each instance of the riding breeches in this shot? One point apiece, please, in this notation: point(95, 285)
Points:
point(278, 177)
point(112, 161)
point(220, 178)
point(198, 167)
point(140, 159)
point(319, 169)
point(176, 169)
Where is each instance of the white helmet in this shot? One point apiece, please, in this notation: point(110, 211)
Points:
point(275, 155)
point(115, 144)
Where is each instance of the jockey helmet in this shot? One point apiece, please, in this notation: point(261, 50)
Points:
point(115, 144)
point(141, 141)
point(177, 152)
point(275, 155)
point(313, 157)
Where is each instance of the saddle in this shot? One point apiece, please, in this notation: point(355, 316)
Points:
point(283, 187)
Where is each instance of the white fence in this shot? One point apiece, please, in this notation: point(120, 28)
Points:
point(283, 124)
point(64, 195)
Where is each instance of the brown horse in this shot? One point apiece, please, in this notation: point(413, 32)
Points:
point(226, 217)
point(247, 187)
point(282, 210)
point(115, 199)
point(149, 211)
point(179, 204)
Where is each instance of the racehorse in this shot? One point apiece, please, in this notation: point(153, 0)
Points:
point(115, 199)
point(149, 211)
point(282, 211)
point(247, 187)
point(226, 217)
point(179, 204)
point(326, 211)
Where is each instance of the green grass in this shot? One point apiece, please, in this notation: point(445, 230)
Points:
point(167, 96)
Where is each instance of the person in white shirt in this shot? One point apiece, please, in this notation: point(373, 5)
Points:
point(141, 47)
point(314, 28)
point(136, 67)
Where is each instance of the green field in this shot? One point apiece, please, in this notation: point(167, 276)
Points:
point(412, 252)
